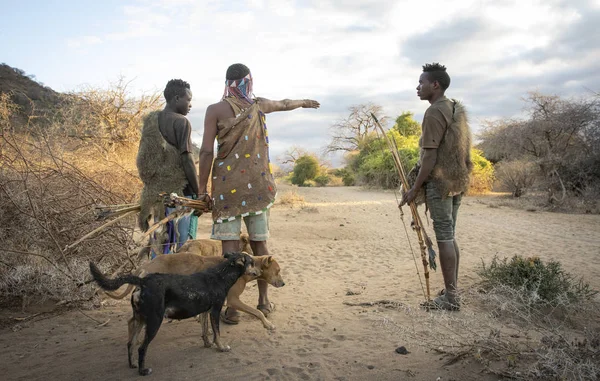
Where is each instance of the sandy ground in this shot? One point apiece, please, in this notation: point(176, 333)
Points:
point(341, 240)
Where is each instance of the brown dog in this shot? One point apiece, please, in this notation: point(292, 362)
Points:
point(204, 247)
point(211, 247)
point(188, 263)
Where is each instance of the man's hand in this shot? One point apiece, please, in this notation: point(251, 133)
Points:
point(207, 200)
point(309, 103)
point(408, 197)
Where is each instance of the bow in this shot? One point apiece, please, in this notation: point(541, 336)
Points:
point(425, 244)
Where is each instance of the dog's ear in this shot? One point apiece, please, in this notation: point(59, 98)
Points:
point(243, 260)
point(267, 262)
point(228, 255)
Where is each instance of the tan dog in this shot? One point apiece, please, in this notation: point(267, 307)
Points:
point(188, 263)
point(213, 248)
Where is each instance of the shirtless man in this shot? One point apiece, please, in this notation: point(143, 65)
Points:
point(243, 186)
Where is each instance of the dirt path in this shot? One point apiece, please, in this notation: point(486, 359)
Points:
point(343, 239)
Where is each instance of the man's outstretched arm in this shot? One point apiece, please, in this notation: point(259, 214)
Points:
point(268, 106)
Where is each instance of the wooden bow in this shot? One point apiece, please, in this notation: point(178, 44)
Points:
point(425, 244)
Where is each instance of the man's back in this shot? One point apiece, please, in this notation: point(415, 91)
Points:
point(175, 129)
point(221, 111)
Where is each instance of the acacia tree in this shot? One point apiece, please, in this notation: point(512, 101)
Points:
point(349, 132)
point(559, 136)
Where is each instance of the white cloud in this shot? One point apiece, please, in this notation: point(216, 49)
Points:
point(83, 41)
point(142, 21)
point(351, 51)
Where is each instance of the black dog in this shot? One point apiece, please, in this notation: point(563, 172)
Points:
point(177, 297)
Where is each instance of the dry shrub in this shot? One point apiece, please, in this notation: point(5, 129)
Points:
point(560, 137)
point(499, 331)
point(516, 176)
point(291, 198)
point(109, 117)
point(58, 161)
point(49, 186)
point(509, 331)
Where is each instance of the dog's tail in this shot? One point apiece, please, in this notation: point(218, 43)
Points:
point(139, 273)
point(112, 284)
point(125, 292)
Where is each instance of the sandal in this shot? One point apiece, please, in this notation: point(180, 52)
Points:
point(266, 309)
point(233, 320)
point(441, 303)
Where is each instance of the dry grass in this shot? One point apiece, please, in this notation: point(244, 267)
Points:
point(290, 198)
point(537, 201)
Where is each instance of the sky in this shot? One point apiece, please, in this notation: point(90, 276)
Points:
point(341, 53)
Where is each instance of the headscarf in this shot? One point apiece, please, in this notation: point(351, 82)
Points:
point(239, 88)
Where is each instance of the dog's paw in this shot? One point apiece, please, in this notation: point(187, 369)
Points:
point(225, 348)
point(207, 344)
point(270, 326)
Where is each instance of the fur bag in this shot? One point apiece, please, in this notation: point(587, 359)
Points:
point(160, 169)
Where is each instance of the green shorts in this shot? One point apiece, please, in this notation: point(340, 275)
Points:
point(443, 212)
point(257, 226)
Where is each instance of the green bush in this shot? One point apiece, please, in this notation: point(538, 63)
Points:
point(374, 165)
point(306, 168)
point(349, 180)
point(347, 176)
point(482, 178)
point(540, 282)
point(322, 180)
